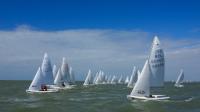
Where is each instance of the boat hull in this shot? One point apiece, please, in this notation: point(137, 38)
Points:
point(39, 91)
point(179, 86)
point(63, 88)
point(154, 97)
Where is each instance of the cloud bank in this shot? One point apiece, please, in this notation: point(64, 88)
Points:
point(113, 51)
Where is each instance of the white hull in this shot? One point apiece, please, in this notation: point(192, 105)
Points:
point(179, 86)
point(39, 91)
point(63, 88)
point(154, 97)
point(87, 85)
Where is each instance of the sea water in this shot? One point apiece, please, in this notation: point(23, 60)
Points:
point(99, 98)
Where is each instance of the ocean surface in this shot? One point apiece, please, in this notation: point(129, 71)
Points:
point(100, 98)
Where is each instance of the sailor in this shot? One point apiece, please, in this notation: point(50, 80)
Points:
point(63, 84)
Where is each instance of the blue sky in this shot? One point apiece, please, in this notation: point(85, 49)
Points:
point(111, 35)
point(166, 17)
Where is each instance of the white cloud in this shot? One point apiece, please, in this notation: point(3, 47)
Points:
point(114, 51)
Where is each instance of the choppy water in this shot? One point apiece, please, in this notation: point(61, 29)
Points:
point(101, 98)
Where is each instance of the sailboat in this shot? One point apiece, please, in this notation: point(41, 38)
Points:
point(114, 80)
point(37, 85)
point(72, 76)
point(133, 78)
point(127, 80)
point(95, 78)
point(109, 79)
point(65, 71)
point(157, 64)
point(98, 79)
point(59, 80)
point(120, 81)
point(141, 89)
point(54, 71)
point(180, 80)
point(62, 80)
point(89, 79)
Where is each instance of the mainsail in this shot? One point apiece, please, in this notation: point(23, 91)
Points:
point(72, 77)
point(114, 80)
point(59, 81)
point(47, 70)
point(127, 80)
point(65, 71)
point(157, 64)
point(180, 78)
point(89, 78)
point(120, 81)
point(54, 71)
point(95, 78)
point(133, 78)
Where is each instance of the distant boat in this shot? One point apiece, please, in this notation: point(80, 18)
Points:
point(89, 79)
point(99, 77)
point(59, 80)
point(114, 80)
point(180, 80)
point(72, 76)
point(65, 71)
point(109, 79)
point(38, 86)
point(126, 80)
point(133, 78)
point(141, 89)
point(54, 71)
point(157, 64)
point(95, 78)
point(120, 81)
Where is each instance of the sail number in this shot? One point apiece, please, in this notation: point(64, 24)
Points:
point(141, 92)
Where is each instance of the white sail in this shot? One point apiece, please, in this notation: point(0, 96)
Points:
point(37, 81)
point(72, 76)
point(142, 86)
point(138, 73)
point(114, 80)
point(133, 78)
point(47, 70)
point(127, 80)
point(99, 78)
point(95, 78)
point(65, 71)
point(120, 81)
point(54, 71)
point(157, 64)
point(103, 78)
point(59, 81)
point(106, 79)
point(180, 78)
point(89, 78)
